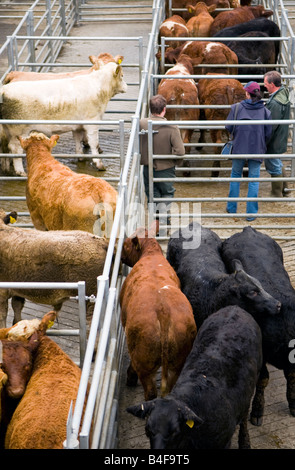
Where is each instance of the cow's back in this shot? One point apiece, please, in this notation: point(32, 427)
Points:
point(261, 257)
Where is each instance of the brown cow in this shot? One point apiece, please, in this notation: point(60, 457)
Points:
point(173, 27)
point(40, 419)
point(180, 91)
point(219, 91)
point(17, 346)
point(157, 317)
point(97, 61)
point(182, 5)
point(205, 52)
point(60, 199)
point(199, 25)
point(239, 15)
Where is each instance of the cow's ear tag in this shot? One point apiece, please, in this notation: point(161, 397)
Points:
point(119, 61)
point(190, 10)
point(55, 142)
point(12, 219)
point(190, 423)
point(50, 324)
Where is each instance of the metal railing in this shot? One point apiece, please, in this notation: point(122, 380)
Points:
point(81, 298)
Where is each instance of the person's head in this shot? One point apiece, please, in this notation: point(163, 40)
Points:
point(157, 104)
point(272, 81)
point(252, 90)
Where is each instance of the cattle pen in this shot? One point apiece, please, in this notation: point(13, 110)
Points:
point(66, 34)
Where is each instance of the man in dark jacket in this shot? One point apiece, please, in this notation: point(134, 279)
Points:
point(279, 106)
point(166, 141)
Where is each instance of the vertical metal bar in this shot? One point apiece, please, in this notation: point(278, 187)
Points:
point(150, 171)
point(82, 319)
point(63, 17)
point(49, 28)
point(140, 57)
point(10, 54)
point(31, 42)
point(162, 61)
point(121, 137)
point(77, 14)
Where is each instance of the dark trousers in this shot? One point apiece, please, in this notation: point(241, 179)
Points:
point(161, 189)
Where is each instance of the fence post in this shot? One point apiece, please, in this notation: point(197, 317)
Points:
point(63, 17)
point(151, 171)
point(49, 28)
point(31, 42)
point(77, 15)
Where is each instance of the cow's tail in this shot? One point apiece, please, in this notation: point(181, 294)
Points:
point(230, 93)
point(165, 323)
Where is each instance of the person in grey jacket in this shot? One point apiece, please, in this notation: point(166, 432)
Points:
point(279, 106)
point(166, 141)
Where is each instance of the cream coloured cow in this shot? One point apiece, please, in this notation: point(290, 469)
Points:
point(84, 97)
point(97, 62)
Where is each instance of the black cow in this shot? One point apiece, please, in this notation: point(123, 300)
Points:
point(205, 280)
point(254, 52)
point(262, 257)
point(263, 25)
point(213, 392)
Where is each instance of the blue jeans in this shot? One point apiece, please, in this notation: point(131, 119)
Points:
point(253, 186)
point(273, 166)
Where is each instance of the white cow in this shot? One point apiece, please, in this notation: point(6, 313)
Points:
point(84, 97)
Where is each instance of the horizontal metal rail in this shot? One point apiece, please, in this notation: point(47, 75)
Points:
point(81, 298)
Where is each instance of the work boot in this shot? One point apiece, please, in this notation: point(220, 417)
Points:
point(286, 193)
point(276, 187)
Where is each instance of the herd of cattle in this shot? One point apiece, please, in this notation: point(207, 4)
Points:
point(243, 304)
point(187, 57)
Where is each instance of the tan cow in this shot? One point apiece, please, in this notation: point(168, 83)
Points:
point(219, 91)
point(157, 317)
point(199, 25)
point(83, 97)
point(60, 199)
point(46, 256)
point(97, 61)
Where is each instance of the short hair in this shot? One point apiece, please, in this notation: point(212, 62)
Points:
point(274, 77)
point(157, 104)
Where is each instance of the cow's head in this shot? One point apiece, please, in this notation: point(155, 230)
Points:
point(16, 355)
point(8, 218)
point(132, 246)
point(40, 139)
point(250, 294)
point(170, 423)
point(260, 11)
point(104, 58)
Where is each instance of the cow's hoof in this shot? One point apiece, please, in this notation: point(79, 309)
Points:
point(21, 173)
point(256, 420)
point(98, 164)
point(100, 150)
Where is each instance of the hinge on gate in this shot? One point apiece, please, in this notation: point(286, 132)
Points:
point(143, 131)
